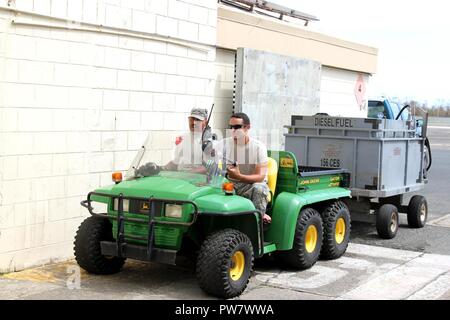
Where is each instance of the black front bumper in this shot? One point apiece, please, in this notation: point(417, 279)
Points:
point(120, 248)
point(139, 252)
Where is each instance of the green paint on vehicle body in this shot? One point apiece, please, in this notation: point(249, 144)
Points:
point(270, 248)
point(287, 208)
point(217, 211)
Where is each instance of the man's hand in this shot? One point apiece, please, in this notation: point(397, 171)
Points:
point(233, 172)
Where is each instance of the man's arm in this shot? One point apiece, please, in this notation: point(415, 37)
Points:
point(258, 176)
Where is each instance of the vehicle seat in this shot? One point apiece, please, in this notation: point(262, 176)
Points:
point(272, 173)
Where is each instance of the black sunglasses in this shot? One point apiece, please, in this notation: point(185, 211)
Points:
point(236, 126)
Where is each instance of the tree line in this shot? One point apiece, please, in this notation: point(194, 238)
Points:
point(440, 109)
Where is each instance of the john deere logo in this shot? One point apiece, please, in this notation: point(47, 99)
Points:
point(145, 206)
point(286, 163)
point(310, 181)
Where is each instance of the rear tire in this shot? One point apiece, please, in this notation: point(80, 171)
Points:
point(225, 263)
point(307, 241)
point(387, 221)
point(87, 249)
point(417, 212)
point(336, 230)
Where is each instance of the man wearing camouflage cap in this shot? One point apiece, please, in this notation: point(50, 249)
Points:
point(188, 150)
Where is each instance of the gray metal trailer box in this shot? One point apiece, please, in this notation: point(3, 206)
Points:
point(384, 157)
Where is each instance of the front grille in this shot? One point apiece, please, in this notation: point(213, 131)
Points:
point(143, 207)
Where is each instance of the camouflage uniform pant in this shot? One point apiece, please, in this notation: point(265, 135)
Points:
point(256, 192)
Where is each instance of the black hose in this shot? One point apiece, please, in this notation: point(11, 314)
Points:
point(427, 144)
point(398, 116)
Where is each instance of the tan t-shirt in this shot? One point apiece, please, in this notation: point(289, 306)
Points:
point(246, 156)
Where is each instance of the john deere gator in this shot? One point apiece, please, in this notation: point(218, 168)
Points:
point(160, 216)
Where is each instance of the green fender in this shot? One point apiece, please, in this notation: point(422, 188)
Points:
point(105, 190)
point(287, 208)
point(220, 211)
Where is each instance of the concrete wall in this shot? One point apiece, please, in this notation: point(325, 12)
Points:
point(77, 100)
point(270, 88)
point(337, 90)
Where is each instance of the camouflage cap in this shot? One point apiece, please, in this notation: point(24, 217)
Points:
point(199, 113)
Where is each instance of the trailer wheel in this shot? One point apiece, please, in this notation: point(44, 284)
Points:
point(307, 240)
point(387, 221)
point(336, 230)
point(417, 212)
point(87, 249)
point(225, 263)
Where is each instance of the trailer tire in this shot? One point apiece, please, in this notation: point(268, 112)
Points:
point(308, 240)
point(87, 248)
point(225, 263)
point(417, 212)
point(387, 221)
point(336, 230)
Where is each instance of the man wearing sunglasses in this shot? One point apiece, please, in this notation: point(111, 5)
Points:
point(246, 160)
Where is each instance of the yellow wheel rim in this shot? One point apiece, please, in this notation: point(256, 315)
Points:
point(311, 239)
point(340, 230)
point(237, 265)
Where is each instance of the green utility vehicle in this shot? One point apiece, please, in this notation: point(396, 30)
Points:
point(157, 217)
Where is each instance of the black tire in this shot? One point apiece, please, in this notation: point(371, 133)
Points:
point(299, 257)
point(87, 249)
point(215, 263)
point(417, 212)
point(336, 230)
point(387, 221)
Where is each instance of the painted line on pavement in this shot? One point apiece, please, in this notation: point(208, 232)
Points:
point(439, 127)
point(381, 252)
point(402, 275)
point(440, 144)
point(433, 290)
point(443, 221)
point(405, 280)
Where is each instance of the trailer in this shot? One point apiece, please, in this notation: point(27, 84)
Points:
point(385, 158)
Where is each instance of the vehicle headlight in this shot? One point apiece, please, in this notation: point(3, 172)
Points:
point(126, 204)
point(174, 210)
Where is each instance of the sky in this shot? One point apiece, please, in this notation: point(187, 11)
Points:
point(413, 39)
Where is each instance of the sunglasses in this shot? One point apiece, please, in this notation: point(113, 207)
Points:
point(236, 126)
